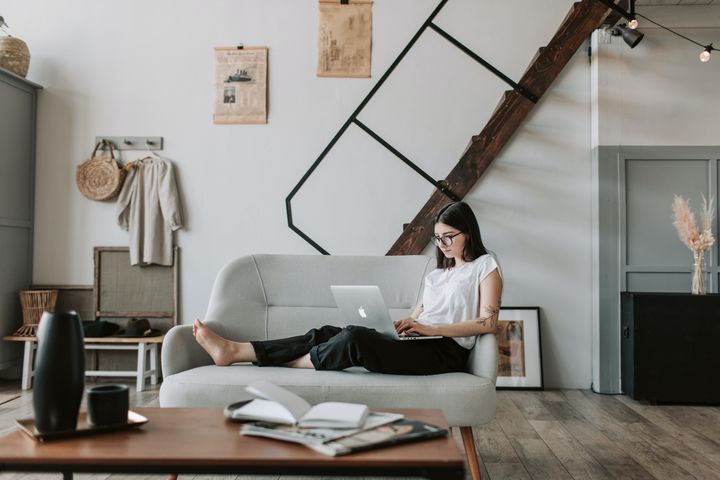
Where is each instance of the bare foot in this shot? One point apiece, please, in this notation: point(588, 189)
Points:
point(301, 362)
point(222, 351)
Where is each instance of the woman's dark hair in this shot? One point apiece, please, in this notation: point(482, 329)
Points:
point(459, 215)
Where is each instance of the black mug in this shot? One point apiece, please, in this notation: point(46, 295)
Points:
point(108, 404)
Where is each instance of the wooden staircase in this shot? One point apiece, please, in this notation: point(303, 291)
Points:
point(583, 18)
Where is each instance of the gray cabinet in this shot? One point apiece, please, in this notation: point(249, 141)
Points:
point(18, 105)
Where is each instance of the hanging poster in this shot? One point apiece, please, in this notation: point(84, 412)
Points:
point(344, 38)
point(240, 85)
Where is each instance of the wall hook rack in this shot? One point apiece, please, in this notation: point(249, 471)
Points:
point(133, 143)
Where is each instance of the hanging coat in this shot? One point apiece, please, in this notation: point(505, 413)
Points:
point(149, 208)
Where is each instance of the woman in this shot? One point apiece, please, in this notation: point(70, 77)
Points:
point(461, 300)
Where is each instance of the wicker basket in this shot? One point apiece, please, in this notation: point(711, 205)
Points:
point(100, 178)
point(34, 303)
point(14, 55)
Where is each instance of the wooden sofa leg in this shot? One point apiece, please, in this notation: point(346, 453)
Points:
point(470, 452)
point(172, 476)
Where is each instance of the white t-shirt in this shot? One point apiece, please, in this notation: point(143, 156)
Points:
point(453, 296)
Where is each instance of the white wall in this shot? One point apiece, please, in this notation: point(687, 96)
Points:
point(145, 68)
point(659, 93)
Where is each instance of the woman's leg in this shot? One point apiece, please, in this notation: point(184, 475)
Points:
point(333, 348)
point(365, 347)
point(302, 362)
point(291, 352)
point(222, 350)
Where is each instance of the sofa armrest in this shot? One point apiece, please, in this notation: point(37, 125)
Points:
point(483, 360)
point(181, 352)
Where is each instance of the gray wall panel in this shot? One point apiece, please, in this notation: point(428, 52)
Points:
point(660, 282)
point(16, 147)
point(606, 275)
point(650, 186)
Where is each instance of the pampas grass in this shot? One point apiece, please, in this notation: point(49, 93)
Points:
point(697, 240)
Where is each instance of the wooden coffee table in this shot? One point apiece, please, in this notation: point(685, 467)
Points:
point(201, 441)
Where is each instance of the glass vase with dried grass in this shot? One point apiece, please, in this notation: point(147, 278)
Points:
point(698, 240)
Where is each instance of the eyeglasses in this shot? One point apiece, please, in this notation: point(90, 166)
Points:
point(446, 240)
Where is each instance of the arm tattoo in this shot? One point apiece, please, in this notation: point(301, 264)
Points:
point(489, 313)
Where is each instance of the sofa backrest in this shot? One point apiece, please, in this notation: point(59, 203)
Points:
point(270, 296)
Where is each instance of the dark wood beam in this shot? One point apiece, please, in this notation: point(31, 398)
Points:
point(583, 18)
point(614, 17)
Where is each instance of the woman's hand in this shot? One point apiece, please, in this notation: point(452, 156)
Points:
point(404, 324)
point(421, 329)
point(409, 325)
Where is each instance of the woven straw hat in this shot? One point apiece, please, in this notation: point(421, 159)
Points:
point(100, 178)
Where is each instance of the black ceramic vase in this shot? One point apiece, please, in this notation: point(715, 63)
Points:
point(59, 372)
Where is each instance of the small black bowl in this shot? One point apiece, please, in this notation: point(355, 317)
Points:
point(108, 404)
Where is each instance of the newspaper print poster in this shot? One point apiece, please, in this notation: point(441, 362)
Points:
point(344, 38)
point(240, 85)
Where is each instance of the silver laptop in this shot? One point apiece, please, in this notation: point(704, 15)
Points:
point(363, 305)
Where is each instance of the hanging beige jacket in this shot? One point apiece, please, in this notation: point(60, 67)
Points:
point(149, 208)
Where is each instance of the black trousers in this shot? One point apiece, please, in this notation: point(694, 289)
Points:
point(334, 348)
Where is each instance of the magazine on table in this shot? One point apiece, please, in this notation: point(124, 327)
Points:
point(314, 435)
point(401, 431)
point(279, 405)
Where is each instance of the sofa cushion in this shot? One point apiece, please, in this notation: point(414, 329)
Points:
point(464, 398)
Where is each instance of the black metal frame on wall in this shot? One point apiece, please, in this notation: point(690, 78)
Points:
point(353, 119)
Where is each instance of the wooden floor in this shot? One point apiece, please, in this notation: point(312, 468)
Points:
point(562, 434)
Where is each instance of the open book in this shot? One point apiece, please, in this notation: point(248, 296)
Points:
point(314, 435)
point(279, 405)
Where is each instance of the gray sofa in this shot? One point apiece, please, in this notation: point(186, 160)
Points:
point(272, 296)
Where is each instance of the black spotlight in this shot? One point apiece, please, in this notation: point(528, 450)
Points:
point(630, 36)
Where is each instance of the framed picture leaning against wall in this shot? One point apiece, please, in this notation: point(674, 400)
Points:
point(519, 349)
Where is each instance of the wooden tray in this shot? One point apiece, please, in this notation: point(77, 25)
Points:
point(27, 425)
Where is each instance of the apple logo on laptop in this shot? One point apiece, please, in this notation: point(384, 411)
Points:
point(361, 312)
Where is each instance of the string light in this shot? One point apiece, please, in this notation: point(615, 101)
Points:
point(705, 54)
point(707, 49)
point(633, 23)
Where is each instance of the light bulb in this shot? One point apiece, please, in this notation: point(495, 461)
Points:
point(705, 55)
point(633, 24)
